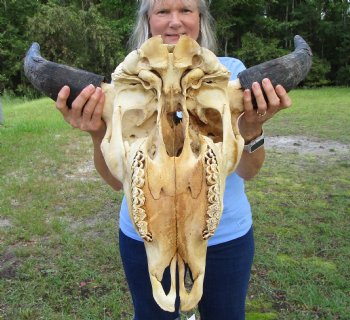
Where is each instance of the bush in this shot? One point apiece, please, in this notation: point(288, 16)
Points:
point(83, 39)
point(343, 76)
point(256, 50)
point(317, 76)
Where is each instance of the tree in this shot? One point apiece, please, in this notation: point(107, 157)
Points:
point(255, 50)
point(234, 18)
point(13, 21)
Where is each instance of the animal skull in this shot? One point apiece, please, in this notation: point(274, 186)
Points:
point(173, 169)
point(172, 138)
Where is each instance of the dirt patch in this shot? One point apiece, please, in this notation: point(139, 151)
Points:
point(8, 265)
point(307, 145)
point(85, 172)
point(5, 223)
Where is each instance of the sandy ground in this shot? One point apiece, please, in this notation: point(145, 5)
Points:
point(306, 145)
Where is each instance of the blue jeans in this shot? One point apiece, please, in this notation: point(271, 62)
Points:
point(227, 274)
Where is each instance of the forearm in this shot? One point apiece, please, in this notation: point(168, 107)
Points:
point(101, 166)
point(251, 163)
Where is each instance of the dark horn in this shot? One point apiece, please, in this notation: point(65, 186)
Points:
point(288, 70)
point(49, 77)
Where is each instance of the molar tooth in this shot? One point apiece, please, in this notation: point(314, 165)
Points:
point(213, 196)
point(138, 196)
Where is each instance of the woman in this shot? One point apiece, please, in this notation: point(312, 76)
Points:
point(231, 249)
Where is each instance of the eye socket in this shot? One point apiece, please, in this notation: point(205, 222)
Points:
point(191, 78)
point(196, 60)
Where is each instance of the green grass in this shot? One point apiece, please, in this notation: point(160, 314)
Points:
point(301, 208)
point(320, 113)
point(59, 254)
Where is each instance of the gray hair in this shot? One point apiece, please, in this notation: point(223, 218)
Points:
point(141, 31)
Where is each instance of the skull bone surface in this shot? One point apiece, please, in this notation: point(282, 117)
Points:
point(172, 138)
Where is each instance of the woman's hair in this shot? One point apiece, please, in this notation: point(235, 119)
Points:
point(141, 31)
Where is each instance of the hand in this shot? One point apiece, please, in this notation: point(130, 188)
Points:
point(86, 111)
point(251, 122)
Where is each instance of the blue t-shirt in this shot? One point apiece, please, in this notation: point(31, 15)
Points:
point(236, 219)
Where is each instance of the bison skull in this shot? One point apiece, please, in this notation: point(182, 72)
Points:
point(173, 168)
point(172, 138)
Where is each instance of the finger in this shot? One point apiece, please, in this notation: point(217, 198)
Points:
point(97, 114)
point(91, 105)
point(259, 97)
point(272, 97)
point(285, 100)
point(61, 102)
point(248, 102)
point(80, 101)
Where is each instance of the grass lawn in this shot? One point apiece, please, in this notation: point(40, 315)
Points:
point(59, 254)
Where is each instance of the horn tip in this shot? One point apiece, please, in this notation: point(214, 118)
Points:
point(35, 44)
point(299, 42)
point(34, 49)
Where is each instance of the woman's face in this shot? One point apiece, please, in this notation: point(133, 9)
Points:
point(172, 18)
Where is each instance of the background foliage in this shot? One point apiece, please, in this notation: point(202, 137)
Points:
point(93, 34)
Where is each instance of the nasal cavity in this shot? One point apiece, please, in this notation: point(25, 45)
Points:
point(173, 132)
point(174, 119)
point(178, 117)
